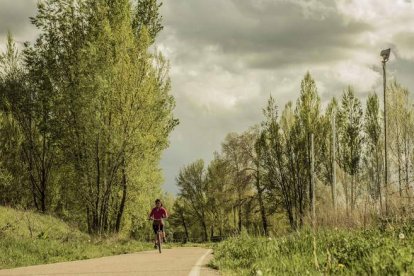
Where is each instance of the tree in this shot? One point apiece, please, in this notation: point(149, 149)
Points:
point(350, 141)
point(280, 161)
point(373, 155)
point(26, 97)
point(237, 151)
point(93, 109)
point(180, 218)
point(193, 187)
point(124, 116)
point(219, 195)
point(401, 129)
point(307, 122)
point(13, 184)
point(326, 147)
point(260, 180)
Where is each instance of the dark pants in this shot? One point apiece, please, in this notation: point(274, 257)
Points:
point(155, 227)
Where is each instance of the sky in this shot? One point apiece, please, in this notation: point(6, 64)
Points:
point(228, 56)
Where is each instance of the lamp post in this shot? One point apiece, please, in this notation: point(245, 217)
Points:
point(385, 54)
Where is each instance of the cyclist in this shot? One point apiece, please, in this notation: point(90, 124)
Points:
point(157, 214)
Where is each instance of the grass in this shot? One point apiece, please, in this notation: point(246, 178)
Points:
point(28, 238)
point(329, 252)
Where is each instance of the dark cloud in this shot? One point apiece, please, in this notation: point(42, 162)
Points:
point(266, 35)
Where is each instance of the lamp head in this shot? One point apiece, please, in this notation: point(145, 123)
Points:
point(385, 54)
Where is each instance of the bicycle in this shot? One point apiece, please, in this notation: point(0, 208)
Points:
point(160, 233)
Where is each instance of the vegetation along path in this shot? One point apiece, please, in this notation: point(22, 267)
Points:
point(178, 261)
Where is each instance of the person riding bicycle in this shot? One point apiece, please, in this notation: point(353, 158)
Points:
point(158, 213)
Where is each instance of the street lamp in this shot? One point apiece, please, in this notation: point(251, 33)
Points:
point(385, 54)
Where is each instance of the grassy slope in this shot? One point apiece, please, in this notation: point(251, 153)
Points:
point(27, 238)
point(343, 252)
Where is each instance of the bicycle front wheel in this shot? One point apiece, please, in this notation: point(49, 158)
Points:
point(159, 238)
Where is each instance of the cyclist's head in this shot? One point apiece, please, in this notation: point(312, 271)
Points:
point(158, 202)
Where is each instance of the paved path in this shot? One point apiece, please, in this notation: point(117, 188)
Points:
point(188, 261)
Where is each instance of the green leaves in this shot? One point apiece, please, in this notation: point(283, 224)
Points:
point(308, 105)
point(9, 61)
point(350, 126)
point(147, 16)
point(94, 107)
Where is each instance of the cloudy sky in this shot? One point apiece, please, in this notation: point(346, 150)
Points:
point(228, 56)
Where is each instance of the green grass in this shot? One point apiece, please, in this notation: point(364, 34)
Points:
point(342, 252)
point(28, 238)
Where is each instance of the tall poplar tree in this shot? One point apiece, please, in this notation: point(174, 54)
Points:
point(307, 114)
point(350, 127)
point(373, 145)
point(400, 122)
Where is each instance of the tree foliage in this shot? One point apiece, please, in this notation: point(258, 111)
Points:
point(89, 110)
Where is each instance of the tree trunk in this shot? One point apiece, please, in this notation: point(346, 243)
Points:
point(346, 194)
point(43, 180)
point(32, 179)
point(98, 180)
point(262, 210)
point(203, 223)
point(240, 218)
point(407, 184)
point(399, 168)
point(309, 147)
point(239, 212)
point(124, 193)
point(34, 193)
point(378, 179)
point(43, 201)
point(185, 227)
point(234, 218)
point(352, 192)
point(292, 222)
point(312, 182)
point(333, 184)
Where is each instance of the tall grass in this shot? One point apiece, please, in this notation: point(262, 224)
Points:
point(353, 252)
point(28, 238)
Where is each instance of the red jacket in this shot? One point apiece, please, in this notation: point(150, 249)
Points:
point(158, 213)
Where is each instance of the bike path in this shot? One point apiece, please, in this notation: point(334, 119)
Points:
point(188, 261)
